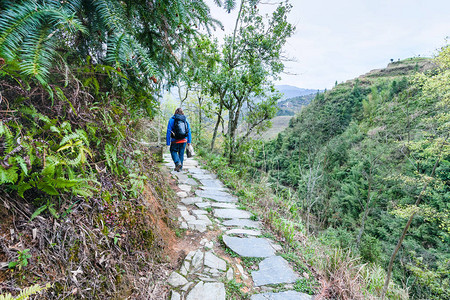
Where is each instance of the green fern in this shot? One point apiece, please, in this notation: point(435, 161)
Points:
point(111, 157)
point(28, 31)
point(26, 292)
point(8, 175)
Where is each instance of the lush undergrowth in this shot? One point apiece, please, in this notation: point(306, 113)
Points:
point(83, 206)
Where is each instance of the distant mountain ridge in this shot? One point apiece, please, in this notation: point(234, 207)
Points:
point(291, 106)
point(290, 91)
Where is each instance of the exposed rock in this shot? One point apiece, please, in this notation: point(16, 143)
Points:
point(289, 295)
point(244, 231)
point(191, 200)
point(249, 247)
point(214, 262)
point(175, 296)
point(226, 213)
point(274, 270)
point(197, 260)
point(203, 205)
point(207, 291)
point(242, 223)
point(176, 280)
point(185, 188)
point(230, 274)
point(182, 194)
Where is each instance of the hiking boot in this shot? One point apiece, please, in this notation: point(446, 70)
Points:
point(178, 167)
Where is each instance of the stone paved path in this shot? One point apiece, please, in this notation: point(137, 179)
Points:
point(207, 206)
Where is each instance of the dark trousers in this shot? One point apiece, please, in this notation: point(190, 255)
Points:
point(177, 152)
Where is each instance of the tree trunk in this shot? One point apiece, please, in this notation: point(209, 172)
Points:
point(232, 129)
point(216, 128)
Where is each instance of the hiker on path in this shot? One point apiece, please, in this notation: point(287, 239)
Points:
point(178, 134)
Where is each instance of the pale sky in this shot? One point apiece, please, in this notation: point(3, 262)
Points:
point(340, 40)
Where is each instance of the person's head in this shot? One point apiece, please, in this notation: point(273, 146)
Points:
point(179, 111)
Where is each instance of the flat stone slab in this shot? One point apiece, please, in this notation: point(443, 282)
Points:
point(218, 196)
point(180, 176)
point(182, 194)
point(175, 296)
point(176, 279)
point(205, 219)
point(185, 188)
point(189, 181)
point(199, 225)
point(249, 247)
point(231, 213)
point(190, 163)
point(181, 207)
point(198, 212)
point(202, 205)
point(211, 183)
point(191, 200)
point(214, 189)
point(274, 270)
point(202, 175)
point(197, 171)
point(244, 231)
point(223, 205)
point(214, 262)
point(207, 291)
point(289, 295)
point(242, 223)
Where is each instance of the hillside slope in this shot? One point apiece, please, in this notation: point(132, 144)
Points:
point(358, 156)
point(83, 206)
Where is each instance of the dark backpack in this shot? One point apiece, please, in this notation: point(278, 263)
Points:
point(180, 128)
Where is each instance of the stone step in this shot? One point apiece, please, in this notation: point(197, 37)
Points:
point(249, 247)
point(274, 270)
point(231, 213)
point(243, 232)
point(207, 291)
point(241, 223)
point(288, 295)
point(218, 196)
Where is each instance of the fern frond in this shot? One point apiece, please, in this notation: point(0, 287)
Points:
point(229, 5)
point(16, 23)
point(34, 289)
point(37, 53)
point(70, 137)
point(112, 15)
point(8, 175)
point(22, 164)
point(47, 187)
point(27, 30)
point(8, 138)
point(63, 183)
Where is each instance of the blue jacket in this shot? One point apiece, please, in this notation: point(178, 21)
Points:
point(169, 139)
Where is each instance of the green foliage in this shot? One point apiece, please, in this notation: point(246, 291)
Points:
point(370, 249)
point(48, 166)
point(304, 285)
point(233, 290)
point(22, 259)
